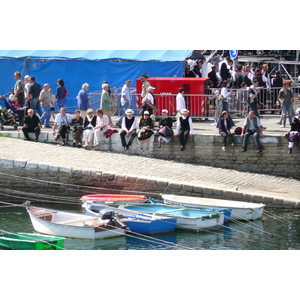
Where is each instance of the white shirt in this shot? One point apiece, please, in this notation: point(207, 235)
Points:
point(60, 119)
point(225, 93)
point(180, 103)
point(190, 123)
point(133, 126)
point(126, 93)
point(102, 121)
point(150, 98)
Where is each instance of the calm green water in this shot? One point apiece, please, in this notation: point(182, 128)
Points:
point(265, 234)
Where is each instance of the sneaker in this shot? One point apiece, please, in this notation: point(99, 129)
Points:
point(223, 148)
point(79, 145)
point(63, 143)
point(182, 148)
point(290, 151)
point(282, 126)
point(85, 146)
point(259, 150)
point(244, 150)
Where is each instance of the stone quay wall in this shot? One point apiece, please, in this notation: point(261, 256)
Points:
point(205, 149)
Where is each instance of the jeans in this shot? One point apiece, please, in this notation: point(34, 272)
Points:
point(256, 136)
point(287, 107)
point(35, 105)
point(46, 114)
point(253, 107)
point(183, 135)
point(224, 135)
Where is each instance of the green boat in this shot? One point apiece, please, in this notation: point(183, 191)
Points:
point(30, 241)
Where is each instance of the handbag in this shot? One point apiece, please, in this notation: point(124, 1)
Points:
point(66, 93)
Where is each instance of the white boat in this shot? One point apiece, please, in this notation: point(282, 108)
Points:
point(74, 225)
point(187, 218)
point(239, 210)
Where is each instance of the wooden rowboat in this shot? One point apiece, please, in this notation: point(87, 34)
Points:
point(74, 225)
point(239, 210)
point(30, 241)
point(114, 199)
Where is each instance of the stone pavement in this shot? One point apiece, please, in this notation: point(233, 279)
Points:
point(208, 178)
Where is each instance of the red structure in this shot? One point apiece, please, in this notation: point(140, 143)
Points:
point(166, 89)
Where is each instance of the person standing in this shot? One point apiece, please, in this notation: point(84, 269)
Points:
point(180, 102)
point(34, 91)
point(106, 102)
point(126, 100)
point(285, 97)
point(61, 93)
point(184, 128)
point(19, 89)
point(145, 84)
point(31, 124)
point(45, 99)
point(83, 100)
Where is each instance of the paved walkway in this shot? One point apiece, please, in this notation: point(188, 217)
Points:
point(151, 168)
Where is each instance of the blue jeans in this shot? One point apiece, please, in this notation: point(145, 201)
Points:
point(253, 107)
point(287, 107)
point(46, 114)
point(35, 105)
point(125, 107)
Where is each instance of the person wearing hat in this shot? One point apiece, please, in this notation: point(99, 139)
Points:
point(145, 84)
point(148, 102)
point(128, 129)
point(146, 126)
point(165, 131)
point(294, 134)
point(184, 128)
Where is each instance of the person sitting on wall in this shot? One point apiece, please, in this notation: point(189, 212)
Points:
point(77, 127)
point(165, 131)
point(31, 124)
point(88, 128)
point(184, 128)
point(63, 123)
point(252, 126)
point(294, 134)
point(146, 126)
point(102, 123)
point(224, 129)
point(128, 129)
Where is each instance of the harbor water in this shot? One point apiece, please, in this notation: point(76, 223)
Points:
point(279, 229)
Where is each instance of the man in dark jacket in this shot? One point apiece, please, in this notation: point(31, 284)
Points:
point(31, 124)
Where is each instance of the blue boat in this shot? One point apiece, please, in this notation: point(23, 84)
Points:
point(141, 223)
point(187, 218)
point(226, 212)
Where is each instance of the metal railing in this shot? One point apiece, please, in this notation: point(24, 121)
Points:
point(204, 105)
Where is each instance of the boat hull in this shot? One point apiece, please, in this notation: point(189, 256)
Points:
point(141, 224)
point(113, 199)
point(31, 241)
point(189, 219)
point(244, 211)
point(84, 227)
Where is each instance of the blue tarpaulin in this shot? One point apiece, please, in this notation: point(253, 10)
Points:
point(76, 67)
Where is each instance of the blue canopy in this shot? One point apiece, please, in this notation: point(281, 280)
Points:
point(76, 67)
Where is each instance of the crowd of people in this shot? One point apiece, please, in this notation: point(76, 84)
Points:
point(89, 127)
